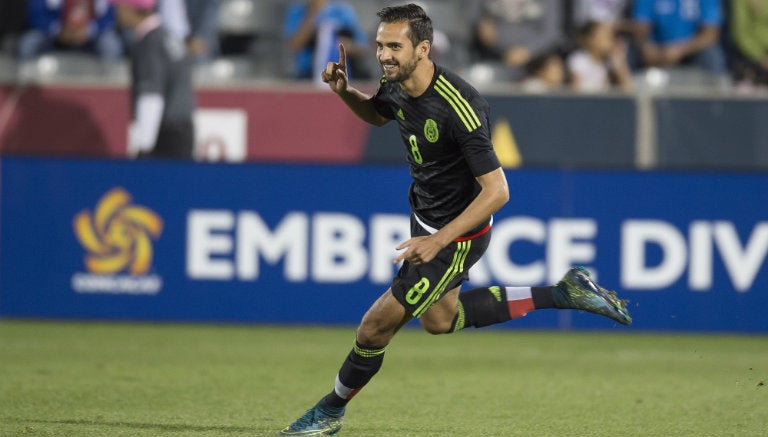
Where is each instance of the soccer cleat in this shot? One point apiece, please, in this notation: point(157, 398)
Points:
point(317, 421)
point(577, 291)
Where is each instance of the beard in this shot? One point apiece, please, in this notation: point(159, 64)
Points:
point(403, 72)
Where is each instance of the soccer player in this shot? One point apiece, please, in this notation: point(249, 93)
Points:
point(457, 185)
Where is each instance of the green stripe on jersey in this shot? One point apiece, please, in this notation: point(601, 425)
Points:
point(460, 105)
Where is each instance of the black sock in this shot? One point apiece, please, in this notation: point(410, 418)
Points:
point(542, 297)
point(362, 363)
point(487, 306)
point(481, 307)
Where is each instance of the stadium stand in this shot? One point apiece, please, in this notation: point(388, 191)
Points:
point(250, 34)
point(77, 67)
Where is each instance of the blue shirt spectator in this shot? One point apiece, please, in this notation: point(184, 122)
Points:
point(87, 25)
point(678, 20)
point(314, 29)
point(671, 32)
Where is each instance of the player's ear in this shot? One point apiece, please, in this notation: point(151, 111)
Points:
point(424, 48)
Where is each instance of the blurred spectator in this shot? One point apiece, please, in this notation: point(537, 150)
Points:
point(514, 31)
point(161, 85)
point(610, 11)
point(600, 62)
point(81, 25)
point(174, 16)
point(679, 32)
point(202, 40)
point(544, 73)
point(749, 34)
point(193, 21)
point(314, 29)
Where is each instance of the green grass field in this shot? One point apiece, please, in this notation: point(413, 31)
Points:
point(94, 379)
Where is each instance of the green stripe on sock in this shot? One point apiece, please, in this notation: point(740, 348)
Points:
point(367, 353)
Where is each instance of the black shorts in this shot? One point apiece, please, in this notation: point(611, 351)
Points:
point(418, 287)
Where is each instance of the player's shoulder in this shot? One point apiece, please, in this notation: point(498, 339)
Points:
point(447, 83)
point(467, 105)
point(446, 76)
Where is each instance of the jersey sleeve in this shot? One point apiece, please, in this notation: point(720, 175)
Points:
point(474, 139)
point(382, 102)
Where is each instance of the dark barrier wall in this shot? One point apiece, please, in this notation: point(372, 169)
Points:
point(706, 133)
point(563, 131)
point(571, 131)
point(175, 241)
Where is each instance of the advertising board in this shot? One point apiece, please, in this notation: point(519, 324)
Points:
point(256, 243)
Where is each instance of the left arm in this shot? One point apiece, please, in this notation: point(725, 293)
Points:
point(707, 36)
point(493, 195)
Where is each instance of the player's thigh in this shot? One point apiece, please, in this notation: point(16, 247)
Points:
point(419, 287)
point(438, 319)
point(382, 321)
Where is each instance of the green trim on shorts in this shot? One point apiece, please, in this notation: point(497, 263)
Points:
point(455, 269)
point(460, 318)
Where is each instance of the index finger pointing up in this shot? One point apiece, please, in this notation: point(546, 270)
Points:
point(342, 56)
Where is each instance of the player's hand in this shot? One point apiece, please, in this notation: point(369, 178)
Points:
point(335, 73)
point(672, 54)
point(419, 250)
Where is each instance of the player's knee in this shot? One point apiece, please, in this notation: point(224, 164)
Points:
point(373, 335)
point(437, 327)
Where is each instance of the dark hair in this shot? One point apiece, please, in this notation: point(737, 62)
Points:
point(418, 21)
point(586, 29)
point(541, 60)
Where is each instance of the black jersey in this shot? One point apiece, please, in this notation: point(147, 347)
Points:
point(448, 143)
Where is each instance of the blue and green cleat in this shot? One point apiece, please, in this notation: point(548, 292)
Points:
point(317, 421)
point(577, 291)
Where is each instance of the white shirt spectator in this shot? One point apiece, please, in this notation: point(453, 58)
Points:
point(589, 74)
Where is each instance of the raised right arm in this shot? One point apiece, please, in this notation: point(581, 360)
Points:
point(335, 75)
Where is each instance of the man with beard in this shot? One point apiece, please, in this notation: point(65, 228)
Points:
point(458, 184)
